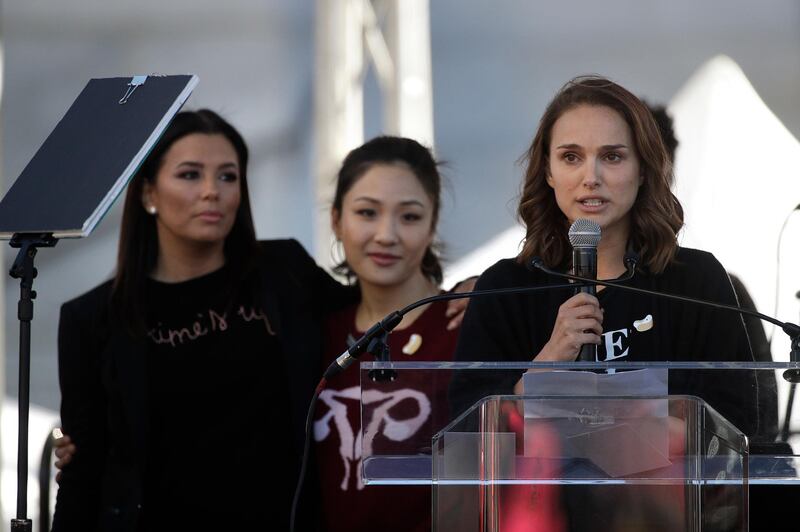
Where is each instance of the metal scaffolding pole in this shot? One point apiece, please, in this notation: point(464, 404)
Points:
point(393, 36)
point(408, 102)
point(338, 103)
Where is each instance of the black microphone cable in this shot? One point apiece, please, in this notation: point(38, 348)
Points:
point(304, 462)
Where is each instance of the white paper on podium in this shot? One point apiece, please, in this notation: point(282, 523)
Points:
point(635, 383)
point(623, 435)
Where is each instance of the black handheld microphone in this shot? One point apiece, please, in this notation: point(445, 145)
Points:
point(584, 235)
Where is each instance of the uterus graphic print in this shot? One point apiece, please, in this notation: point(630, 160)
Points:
point(392, 416)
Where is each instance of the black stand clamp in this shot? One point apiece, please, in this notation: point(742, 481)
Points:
point(379, 349)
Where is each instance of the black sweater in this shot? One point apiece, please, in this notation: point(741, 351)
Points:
point(516, 327)
point(105, 408)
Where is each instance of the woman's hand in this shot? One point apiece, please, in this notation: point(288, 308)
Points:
point(64, 450)
point(579, 321)
point(457, 307)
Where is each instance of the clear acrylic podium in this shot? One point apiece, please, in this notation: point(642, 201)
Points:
point(604, 446)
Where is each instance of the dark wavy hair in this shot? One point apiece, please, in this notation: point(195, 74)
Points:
point(138, 242)
point(388, 150)
point(656, 215)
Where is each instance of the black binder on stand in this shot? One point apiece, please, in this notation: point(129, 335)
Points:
point(91, 155)
point(70, 184)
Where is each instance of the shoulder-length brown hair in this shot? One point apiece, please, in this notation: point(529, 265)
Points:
point(656, 215)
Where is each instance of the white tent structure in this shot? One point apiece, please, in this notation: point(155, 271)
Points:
point(738, 178)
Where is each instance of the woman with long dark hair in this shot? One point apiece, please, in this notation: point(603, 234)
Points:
point(185, 379)
point(384, 214)
point(598, 155)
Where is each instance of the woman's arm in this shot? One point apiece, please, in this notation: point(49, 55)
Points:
point(718, 335)
point(83, 418)
point(328, 294)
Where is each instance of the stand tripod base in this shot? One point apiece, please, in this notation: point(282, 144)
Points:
point(792, 375)
point(21, 525)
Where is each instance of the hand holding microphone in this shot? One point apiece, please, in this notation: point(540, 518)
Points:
point(579, 322)
point(578, 325)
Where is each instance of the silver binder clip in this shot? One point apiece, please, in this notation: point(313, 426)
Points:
point(132, 85)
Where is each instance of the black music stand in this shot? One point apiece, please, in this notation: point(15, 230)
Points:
point(67, 188)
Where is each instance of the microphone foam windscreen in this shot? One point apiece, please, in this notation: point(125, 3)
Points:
point(584, 234)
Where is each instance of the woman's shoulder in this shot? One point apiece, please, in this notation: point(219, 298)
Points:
point(694, 257)
point(694, 263)
point(96, 298)
point(287, 254)
point(505, 273)
point(284, 248)
point(695, 271)
point(88, 311)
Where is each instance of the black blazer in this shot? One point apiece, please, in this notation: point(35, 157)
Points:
point(102, 375)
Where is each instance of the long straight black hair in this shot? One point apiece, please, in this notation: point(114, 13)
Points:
point(138, 242)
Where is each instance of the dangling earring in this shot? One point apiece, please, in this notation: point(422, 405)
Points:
point(152, 210)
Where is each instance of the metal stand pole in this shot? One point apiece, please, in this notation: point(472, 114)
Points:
point(24, 270)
